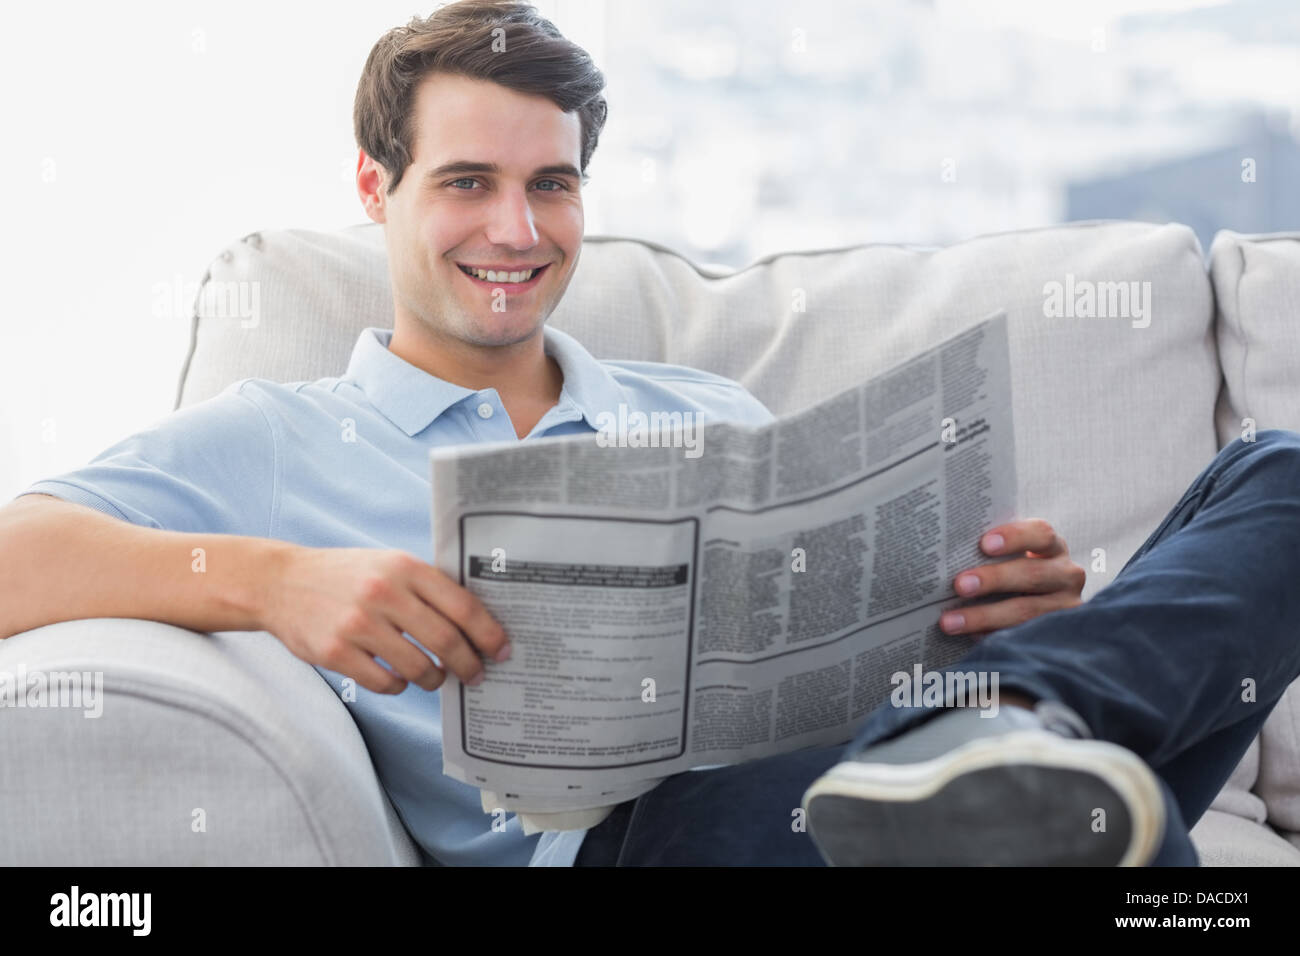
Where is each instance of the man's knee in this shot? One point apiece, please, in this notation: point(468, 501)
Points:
point(1277, 446)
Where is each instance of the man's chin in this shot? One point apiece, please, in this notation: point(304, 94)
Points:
point(488, 335)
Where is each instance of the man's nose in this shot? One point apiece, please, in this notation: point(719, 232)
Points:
point(511, 221)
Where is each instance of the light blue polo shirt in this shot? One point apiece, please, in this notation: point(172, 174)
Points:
point(344, 463)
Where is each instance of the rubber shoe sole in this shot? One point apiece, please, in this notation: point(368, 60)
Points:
point(1025, 798)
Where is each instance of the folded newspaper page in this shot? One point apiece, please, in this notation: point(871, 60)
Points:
point(680, 597)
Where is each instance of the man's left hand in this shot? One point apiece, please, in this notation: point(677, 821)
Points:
point(1042, 578)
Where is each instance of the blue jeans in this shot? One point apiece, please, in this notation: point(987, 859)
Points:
point(1159, 661)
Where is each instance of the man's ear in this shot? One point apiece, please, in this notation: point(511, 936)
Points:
point(372, 185)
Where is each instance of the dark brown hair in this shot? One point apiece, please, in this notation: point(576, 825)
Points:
point(458, 38)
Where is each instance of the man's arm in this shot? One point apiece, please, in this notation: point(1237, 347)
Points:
point(61, 561)
point(336, 608)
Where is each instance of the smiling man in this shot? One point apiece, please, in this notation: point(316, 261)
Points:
point(475, 127)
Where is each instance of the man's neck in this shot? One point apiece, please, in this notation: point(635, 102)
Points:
point(527, 379)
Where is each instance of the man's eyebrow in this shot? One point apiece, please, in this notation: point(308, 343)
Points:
point(462, 167)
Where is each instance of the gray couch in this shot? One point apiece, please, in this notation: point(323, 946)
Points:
point(226, 749)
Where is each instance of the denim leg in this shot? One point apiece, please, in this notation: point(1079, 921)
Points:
point(1177, 848)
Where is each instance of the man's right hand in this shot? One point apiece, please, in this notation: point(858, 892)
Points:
point(340, 608)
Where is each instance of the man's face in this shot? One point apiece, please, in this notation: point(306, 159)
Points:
point(509, 220)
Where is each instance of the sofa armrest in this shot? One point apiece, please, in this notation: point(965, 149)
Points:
point(207, 749)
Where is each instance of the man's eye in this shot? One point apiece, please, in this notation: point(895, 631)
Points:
point(555, 182)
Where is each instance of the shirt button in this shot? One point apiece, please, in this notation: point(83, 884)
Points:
point(485, 410)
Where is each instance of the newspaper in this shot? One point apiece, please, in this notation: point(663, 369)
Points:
point(678, 601)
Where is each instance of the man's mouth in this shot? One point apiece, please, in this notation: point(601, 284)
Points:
point(510, 279)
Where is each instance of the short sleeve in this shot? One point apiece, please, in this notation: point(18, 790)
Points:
point(207, 468)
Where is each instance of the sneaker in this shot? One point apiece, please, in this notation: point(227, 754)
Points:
point(1021, 788)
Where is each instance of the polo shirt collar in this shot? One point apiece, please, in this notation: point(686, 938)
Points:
point(412, 399)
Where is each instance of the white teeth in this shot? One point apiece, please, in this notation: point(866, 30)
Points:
point(490, 275)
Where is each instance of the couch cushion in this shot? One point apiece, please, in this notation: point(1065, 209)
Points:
point(1256, 281)
point(1257, 292)
point(1112, 420)
point(1223, 839)
point(1279, 762)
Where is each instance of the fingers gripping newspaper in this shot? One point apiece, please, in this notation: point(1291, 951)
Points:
point(684, 598)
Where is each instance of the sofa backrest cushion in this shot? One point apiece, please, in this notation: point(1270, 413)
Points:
point(1114, 413)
